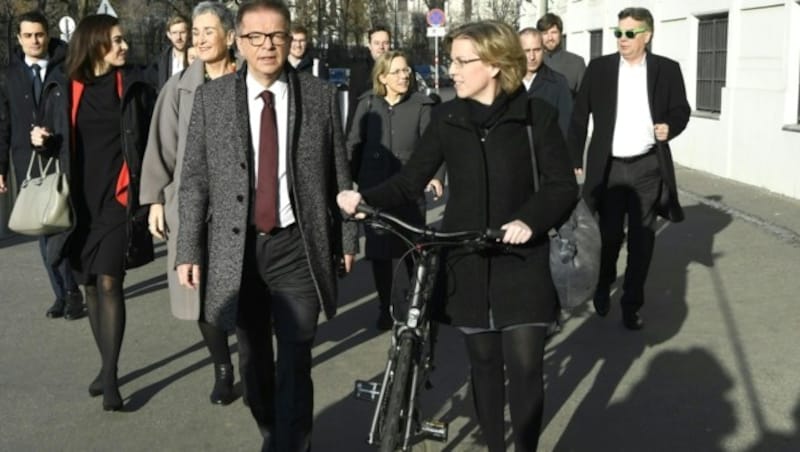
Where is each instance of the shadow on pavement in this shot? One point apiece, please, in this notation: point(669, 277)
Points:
point(680, 380)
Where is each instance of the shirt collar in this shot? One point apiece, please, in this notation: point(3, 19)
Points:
point(641, 64)
point(42, 62)
point(279, 87)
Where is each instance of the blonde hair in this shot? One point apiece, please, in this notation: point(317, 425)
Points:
point(497, 44)
point(381, 67)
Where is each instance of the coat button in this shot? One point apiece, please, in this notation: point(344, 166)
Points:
point(242, 165)
point(376, 155)
point(239, 198)
point(236, 230)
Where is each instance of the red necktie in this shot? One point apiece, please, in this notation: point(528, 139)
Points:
point(266, 208)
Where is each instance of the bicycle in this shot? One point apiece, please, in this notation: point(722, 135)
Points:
point(395, 421)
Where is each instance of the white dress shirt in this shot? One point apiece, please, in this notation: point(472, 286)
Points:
point(529, 82)
point(633, 129)
point(177, 62)
point(42, 64)
point(255, 104)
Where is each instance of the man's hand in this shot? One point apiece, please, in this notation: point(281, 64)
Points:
point(3, 186)
point(349, 260)
point(661, 131)
point(189, 275)
point(348, 201)
point(155, 221)
point(517, 232)
point(435, 186)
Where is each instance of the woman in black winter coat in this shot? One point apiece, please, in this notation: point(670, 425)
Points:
point(98, 119)
point(503, 300)
point(387, 125)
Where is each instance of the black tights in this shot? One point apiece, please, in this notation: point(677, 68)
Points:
point(106, 306)
point(521, 351)
point(217, 342)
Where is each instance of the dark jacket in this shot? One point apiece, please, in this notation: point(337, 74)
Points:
point(306, 64)
point(551, 87)
point(18, 109)
point(360, 82)
point(381, 141)
point(137, 103)
point(216, 191)
point(161, 71)
point(491, 183)
point(598, 97)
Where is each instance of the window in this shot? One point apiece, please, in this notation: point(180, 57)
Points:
point(712, 43)
point(595, 43)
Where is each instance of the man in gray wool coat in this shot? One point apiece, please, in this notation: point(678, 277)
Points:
point(257, 196)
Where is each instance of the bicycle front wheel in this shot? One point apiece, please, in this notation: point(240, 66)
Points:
point(397, 410)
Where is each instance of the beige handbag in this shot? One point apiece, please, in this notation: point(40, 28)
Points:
point(42, 206)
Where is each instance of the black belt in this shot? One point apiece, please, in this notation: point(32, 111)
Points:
point(275, 231)
point(635, 157)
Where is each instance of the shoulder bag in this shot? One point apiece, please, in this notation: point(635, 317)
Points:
point(574, 249)
point(42, 206)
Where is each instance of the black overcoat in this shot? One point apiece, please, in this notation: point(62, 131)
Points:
point(491, 183)
point(598, 97)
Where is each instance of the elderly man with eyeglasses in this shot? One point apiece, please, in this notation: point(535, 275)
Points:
point(638, 103)
point(258, 184)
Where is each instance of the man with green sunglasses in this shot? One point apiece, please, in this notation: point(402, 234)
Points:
point(638, 103)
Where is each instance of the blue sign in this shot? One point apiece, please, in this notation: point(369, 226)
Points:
point(436, 17)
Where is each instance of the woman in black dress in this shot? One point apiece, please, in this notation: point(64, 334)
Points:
point(107, 111)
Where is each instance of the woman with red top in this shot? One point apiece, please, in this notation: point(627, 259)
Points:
point(98, 121)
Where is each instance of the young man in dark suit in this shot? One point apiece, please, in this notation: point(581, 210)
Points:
point(257, 196)
point(37, 61)
point(638, 103)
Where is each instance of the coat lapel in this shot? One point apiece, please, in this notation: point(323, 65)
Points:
point(652, 78)
point(243, 124)
point(293, 122)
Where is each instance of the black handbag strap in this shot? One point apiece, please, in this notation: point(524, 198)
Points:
point(534, 164)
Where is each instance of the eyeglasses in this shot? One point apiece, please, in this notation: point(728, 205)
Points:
point(459, 63)
point(403, 71)
point(257, 39)
point(630, 34)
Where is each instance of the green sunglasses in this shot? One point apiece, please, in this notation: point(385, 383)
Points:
point(630, 34)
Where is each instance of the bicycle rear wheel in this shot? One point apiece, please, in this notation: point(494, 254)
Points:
point(397, 411)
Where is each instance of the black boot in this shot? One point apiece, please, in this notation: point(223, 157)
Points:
point(57, 310)
point(222, 394)
point(75, 308)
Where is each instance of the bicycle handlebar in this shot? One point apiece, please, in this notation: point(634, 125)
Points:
point(487, 236)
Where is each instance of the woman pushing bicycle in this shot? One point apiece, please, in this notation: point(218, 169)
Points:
point(502, 300)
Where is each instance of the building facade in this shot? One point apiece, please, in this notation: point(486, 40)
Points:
point(741, 65)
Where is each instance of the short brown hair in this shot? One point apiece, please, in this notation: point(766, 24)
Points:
point(298, 29)
point(497, 44)
point(177, 19)
point(549, 20)
point(90, 42)
point(381, 67)
point(639, 14)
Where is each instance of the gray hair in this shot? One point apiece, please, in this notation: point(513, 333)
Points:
point(218, 9)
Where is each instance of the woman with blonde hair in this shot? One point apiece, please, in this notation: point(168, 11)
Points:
point(387, 125)
point(501, 300)
point(212, 36)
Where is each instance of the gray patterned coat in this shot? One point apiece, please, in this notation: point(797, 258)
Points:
point(217, 179)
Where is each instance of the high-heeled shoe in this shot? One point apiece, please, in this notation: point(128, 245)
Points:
point(222, 394)
point(96, 386)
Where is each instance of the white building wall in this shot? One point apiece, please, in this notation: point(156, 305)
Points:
point(748, 141)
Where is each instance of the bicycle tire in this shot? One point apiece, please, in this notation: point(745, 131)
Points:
point(392, 423)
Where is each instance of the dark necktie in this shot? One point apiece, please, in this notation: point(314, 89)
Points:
point(37, 82)
point(266, 208)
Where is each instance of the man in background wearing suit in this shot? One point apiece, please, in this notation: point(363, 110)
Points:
point(257, 196)
point(638, 103)
point(543, 82)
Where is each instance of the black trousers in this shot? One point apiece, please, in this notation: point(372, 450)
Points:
point(632, 189)
point(278, 294)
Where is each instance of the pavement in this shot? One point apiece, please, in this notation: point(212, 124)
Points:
point(715, 368)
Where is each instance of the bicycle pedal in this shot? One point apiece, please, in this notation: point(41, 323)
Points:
point(367, 390)
point(436, 430)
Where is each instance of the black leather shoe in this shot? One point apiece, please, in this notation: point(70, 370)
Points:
point(632, 320)
point(57, 310)
point(384, 322)
point(75, 308)
point(602, 301)
point(222, 394)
